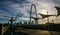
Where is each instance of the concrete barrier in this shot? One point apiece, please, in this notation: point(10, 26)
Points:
point(3, 28)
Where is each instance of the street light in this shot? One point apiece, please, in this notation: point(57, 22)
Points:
point(44, 16)
point(11, 20)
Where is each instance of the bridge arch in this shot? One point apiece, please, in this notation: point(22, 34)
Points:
point(33, 9)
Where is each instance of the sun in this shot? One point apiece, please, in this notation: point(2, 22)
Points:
point(44, 11)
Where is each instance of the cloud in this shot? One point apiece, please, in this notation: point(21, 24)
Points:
point(24, 6)
point(56, 1)
point(44, 4)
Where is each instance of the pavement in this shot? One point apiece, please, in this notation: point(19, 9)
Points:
point(8, 32)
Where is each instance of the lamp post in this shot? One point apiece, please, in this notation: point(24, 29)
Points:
point(48, 24)
point(11, 20)
point(47, 17)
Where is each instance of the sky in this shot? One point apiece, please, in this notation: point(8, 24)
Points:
point(9, 7)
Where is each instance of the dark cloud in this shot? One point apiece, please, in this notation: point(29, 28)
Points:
point(56, 1)
point(2, 20)
point(24, 5)
point(16, 1)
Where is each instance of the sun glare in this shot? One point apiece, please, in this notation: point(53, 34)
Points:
point(44, 11)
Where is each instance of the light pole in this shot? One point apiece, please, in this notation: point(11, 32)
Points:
point(47, 18)
point(11, 20)
point(48, 24)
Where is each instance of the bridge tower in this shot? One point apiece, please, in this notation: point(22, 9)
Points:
point(33, 11)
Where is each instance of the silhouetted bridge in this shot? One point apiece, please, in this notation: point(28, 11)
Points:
point(50, 27)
